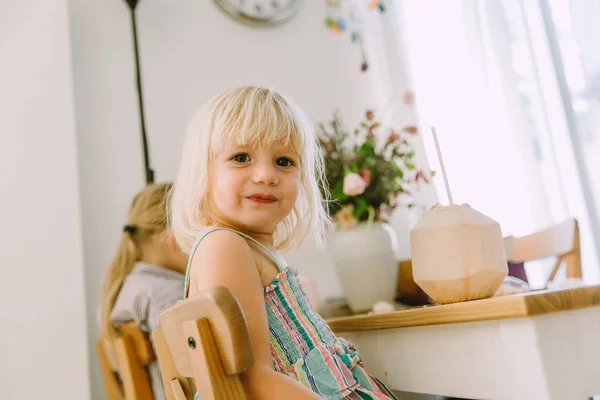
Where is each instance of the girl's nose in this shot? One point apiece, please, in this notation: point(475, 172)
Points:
point(265, 175)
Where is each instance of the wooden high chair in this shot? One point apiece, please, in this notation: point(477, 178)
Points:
point(123, 364)
point(561, 241)
point(205, 338)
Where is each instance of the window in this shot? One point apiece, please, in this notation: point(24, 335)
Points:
point(488, 75)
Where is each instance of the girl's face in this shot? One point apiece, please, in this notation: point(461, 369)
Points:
point(254, 188)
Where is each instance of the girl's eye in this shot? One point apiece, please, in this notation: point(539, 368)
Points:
point(241, 158)
point(284, 162)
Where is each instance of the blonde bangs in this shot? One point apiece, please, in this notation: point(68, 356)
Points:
point(258, 117)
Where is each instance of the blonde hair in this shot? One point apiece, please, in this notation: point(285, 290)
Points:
point(147, 216)
point(248, 116)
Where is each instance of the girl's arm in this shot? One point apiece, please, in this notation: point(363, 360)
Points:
point(224, 258)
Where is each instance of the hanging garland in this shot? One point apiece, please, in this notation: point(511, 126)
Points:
point(342, 16)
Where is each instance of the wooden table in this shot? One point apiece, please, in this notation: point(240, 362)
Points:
point(533, 346)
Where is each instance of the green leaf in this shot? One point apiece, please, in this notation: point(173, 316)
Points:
point(367, 150)
point(397, 171)
point(360, 206)
point(338, 192)
point(409, 166)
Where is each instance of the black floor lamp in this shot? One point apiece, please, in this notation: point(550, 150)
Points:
point(149, 172)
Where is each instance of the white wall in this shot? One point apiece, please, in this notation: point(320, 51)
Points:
point(43, 348)
point(189, 51)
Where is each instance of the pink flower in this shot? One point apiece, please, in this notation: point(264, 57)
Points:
point(371, 129)
point(393, 138)
point(354, 184)
point(366, 175)
point(421, 175)
point(418, 176)
point(413, 130)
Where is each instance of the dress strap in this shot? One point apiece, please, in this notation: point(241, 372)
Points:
point(216, 228)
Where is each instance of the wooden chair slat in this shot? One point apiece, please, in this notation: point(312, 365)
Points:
point(205, 338)
point(126, 378)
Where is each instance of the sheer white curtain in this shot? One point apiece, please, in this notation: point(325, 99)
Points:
point(484, 76)
point(578, 37)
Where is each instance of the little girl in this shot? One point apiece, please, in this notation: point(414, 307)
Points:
point(248, 187)
point(146, 274)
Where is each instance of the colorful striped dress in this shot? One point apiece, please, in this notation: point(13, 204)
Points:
point(302, 345)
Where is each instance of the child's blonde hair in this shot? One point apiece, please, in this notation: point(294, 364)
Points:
point(147, 216)
point(248, 116)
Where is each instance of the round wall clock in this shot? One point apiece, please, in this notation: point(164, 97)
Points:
point(260, 12)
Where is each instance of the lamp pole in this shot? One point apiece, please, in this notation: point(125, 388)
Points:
point(148, 171)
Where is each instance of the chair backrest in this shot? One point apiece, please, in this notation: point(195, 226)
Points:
point(561, 241)
point(205, 338)
point(123, 362)
point(108, 366)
